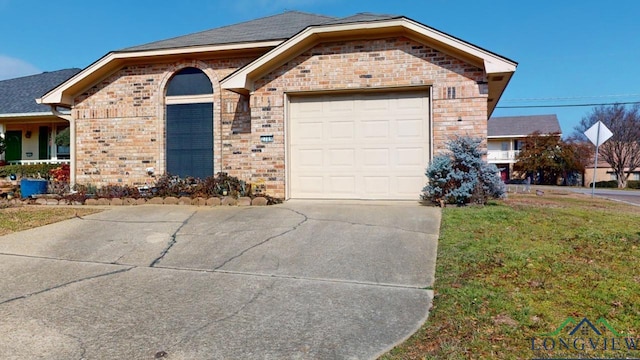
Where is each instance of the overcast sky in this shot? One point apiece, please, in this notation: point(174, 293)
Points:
point(569, 52)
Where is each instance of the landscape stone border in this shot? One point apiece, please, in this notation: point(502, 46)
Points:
point(170, 200)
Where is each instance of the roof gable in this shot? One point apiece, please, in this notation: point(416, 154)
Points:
point(499, 69)
point(18, 96)
point(519, 126)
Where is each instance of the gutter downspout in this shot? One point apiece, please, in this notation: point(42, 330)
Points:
point(72, 143)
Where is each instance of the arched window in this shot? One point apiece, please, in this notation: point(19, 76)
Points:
point(189, 124)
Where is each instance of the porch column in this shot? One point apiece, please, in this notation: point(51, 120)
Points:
point(2, 131)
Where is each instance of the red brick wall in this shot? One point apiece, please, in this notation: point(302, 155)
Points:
point(120, 121)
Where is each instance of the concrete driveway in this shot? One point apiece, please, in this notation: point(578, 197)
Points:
point(301, 280)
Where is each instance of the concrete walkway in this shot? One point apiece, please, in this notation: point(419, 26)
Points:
point(301, 280)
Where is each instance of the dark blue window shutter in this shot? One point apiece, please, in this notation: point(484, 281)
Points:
point(190, 139)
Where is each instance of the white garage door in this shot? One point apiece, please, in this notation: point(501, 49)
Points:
point(359, 146)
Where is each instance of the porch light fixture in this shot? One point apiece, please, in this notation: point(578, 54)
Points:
point(459, 118)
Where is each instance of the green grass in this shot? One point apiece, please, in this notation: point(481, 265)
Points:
point(22, 218)
point(518, 268)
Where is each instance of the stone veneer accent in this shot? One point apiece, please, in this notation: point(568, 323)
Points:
point(120, 121)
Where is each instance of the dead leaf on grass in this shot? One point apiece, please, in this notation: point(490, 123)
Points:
point(503, 319)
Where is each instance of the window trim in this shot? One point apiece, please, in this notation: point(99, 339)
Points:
point(188, 99)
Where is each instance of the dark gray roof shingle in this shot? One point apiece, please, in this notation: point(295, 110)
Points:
point(523, 125)
point(18, 96)
point(276, 27)
point(361, 17)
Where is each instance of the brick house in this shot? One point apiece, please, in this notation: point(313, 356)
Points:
point(29, 129)
point(306, 106)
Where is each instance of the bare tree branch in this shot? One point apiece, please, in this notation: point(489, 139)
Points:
point(622, 151)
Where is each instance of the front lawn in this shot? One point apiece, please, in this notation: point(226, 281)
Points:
point(517, 269)
point(26, 217)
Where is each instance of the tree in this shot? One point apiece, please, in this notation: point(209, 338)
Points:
point(462, 176)
point(550, 158)
point(622, 150)
point(64, 137)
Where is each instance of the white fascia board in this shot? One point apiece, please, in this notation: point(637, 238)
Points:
point(33, 114)
point(57, 95)
point(493, 63)
point(516, 136)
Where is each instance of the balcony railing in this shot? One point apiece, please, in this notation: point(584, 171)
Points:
point(500, 155)
point(35, 162)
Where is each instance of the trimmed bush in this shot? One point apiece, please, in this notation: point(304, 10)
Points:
point(30, 171)
point(461, 177)
point(221, 185)
point(613, 184)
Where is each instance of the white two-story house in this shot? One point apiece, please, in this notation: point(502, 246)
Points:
point(505, 137)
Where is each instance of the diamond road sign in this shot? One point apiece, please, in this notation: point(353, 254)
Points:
point(598, 133)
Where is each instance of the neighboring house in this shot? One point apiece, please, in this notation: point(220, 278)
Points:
point(29, 129)
point(605, 172)
point(302, 105)
point(505, 137)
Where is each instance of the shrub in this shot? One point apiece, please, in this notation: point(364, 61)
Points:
point(28, 171)
point(607, 184)
point(462, 176)
point(118, 191)
point(61, 173)
point(220, 185)
point(633, 184)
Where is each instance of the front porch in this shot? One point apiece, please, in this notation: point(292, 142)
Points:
point(33, 142)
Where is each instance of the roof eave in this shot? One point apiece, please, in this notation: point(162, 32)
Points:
point(521, 136)
point(497, 82)
point(64, 94)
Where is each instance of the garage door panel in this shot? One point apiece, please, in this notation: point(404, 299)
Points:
point(311, 131)
point(377, 185)
point(406, 184)
point(342, 130)
point(344, 105)
point(312, 158)
point(342, 185)
point(375, 130)
point(409, 103)
point(310, 184)
point(358, 146)
point(376, 158)
point(375, 103)
point(410, 129)
point(411, 157)
point(341, 158)
point(311, 107)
